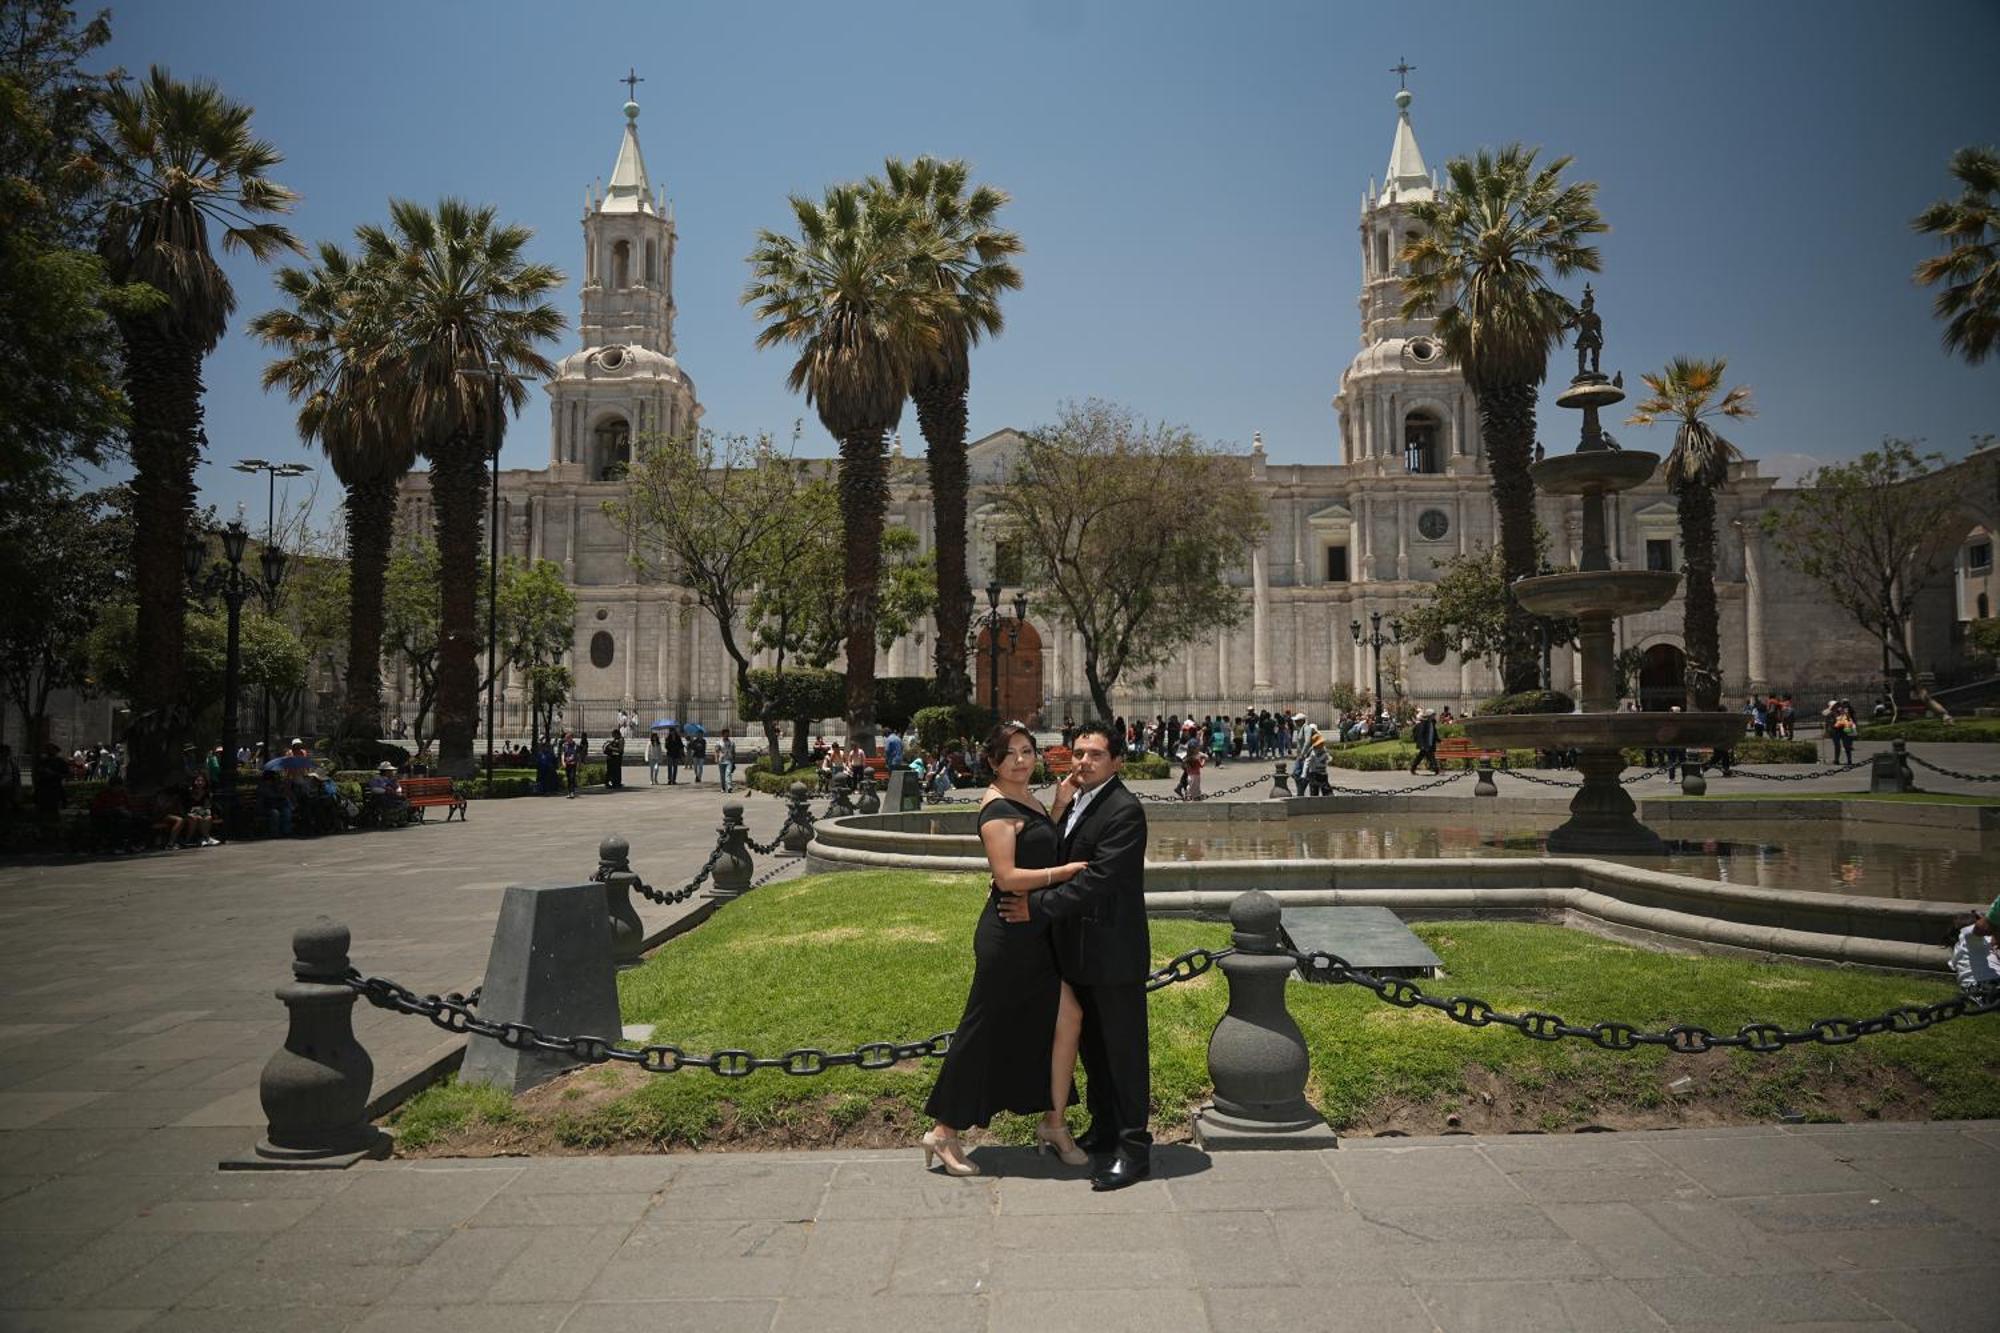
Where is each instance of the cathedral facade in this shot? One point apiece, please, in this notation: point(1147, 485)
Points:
point(1348, 539)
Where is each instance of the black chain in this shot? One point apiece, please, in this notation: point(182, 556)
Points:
point(666, 898)
point(1685, 1038)
point(1175, 798)
point(1949, 772)
point(766, 848)
point(1741, 772)
point(1539, 782)
point(454, 1013)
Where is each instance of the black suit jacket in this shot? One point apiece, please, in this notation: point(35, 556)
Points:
point(1098, 918)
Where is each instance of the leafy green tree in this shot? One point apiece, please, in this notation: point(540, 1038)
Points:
point(185, 165)
point(1480, 265)
point(1686, 393)
point(968, 257)
point(796, 608)
point(1874, 534)
point(909, 587)
point(848, 292)
point(270, 656)
point(537, 616)
point(61, 563)
point(1466, 608)
point(1129, 530)
point(1967, 274)
point(352, 404)
point(59, 376)
point(410, 624)
point(459, 296)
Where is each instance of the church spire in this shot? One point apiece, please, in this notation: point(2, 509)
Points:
point(1407, 179)
point(630, 191)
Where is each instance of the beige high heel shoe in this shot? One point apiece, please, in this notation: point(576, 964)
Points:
point(942, 1147)
point(1059, 1142)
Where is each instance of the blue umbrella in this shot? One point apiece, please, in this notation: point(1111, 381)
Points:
point(662, 723)
point(693, 729)
point(291, 761)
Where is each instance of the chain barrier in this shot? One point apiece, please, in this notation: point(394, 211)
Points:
point(1539, 782)
point(1176, 798)
point(454, 1013)
point(766, 848)
point(1949, 772)
point(675, 897)
point(1685, 1038)
point(1741, 772)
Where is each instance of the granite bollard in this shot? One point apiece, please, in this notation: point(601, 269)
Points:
point(550, 968)
point(840, 805)
point(315, 1087)
point(614, 871)
point(1257, 1056)
point(1483, 785)
point(731, 876)
point(1279, 791)
point(871, 799)
point(799, 826)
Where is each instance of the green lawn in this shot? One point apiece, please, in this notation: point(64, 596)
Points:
point(835, 960)
point(1907, 797)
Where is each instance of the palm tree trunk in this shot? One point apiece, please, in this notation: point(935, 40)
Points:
point(1507, 422)
point(864, 498)
point(458, 492)
point(941, 415)
point(1700, 626)
point(163, 382)
point(371, 514)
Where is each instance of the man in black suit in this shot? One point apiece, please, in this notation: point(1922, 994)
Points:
point(1104, 951)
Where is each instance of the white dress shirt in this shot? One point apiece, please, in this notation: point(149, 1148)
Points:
point(1076, 805)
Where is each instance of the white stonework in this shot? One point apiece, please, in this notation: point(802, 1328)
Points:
point(1348, 537)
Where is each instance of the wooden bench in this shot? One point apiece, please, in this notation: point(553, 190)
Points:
point(1059, 758)
point(423, 793)
point(1458, 747)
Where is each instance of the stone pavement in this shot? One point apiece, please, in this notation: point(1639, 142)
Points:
point(138, 1013)
point(1882, 1227)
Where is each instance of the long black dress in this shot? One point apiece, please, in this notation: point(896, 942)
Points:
point(999, 1057)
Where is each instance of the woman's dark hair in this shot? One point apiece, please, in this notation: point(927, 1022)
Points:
point(1003, 737)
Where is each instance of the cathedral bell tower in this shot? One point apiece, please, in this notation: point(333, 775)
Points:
point(625, 387)
point(1404, 407)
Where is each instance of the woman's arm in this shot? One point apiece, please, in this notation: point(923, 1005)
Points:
point(998, 836)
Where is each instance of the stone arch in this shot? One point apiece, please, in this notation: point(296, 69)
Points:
point(1426, 437)
point(610, 446)
point(1662, 682)
point(1020, 671)
point(652, 264)
point(621, 264)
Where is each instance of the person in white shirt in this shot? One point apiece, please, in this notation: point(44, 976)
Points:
point(1973, 960)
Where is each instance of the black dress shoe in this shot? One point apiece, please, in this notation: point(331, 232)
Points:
point(1123, 1169)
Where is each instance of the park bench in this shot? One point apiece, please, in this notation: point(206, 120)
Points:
point(1460, 748)
point(422, 793)
point(1059, 758)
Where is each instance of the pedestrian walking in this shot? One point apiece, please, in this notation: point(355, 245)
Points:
point(572, 759)
point(697, 753)
point(676, 754)
point(725, 760)
point(655, 753)
point(1425, 734)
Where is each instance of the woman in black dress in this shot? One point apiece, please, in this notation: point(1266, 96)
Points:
point(1015, 1048)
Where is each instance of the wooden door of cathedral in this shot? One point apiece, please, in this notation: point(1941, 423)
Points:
point(1020, 673)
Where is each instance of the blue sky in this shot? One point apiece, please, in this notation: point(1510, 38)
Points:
point(1187, 179)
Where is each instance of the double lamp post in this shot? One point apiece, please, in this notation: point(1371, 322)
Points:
point(227, 578)
point(1375, 639)
point(991, 623)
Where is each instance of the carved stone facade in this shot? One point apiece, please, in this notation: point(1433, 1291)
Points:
point(1346, 538)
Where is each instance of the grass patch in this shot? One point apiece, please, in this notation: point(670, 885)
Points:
point(1962, 729)
point(835, 960)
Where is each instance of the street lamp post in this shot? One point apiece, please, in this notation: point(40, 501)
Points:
point(992, 622)
point(272, 472)
point(493, 372)
point(226, 577)
point(1374, 638)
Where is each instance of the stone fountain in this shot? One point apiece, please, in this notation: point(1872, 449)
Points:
point(1603, 818)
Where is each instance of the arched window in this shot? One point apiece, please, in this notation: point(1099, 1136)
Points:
point(602, 649)
point(652, 264)
point(1420, 442)
point(621, 264)
point(589, 257)
point(612, 451)
point(1381, 254)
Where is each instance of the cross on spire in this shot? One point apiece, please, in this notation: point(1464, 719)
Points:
point(632, 80)
point(1402, 69)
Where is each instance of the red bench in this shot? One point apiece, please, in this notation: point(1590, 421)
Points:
point(422, 793)
point(1458, 747)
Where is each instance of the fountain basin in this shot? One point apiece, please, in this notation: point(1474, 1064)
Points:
point(1616, 731)
point(1604, 592)
point(1598, 470)
point(1590, 391)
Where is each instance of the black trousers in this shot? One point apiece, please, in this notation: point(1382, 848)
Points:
point(1117, 1063)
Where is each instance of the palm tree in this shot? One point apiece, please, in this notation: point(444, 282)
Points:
point(1478, 267)
point(354, 405)
point(185, 165)
point(865, 312)
point(1685, 393)
point(458, 295)
point(1968, 274)
point(968, 257)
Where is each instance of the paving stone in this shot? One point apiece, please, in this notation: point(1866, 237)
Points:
point(1588, 1307)
point(1363, 1307)
point(62, 1151)
point(84, 1203)
point(1074, 1253)
point(176, 1272)
point(1570, 1152)
point(508, 1209)
point(1151, 1309)
point(946, 1255)
point(1236, 1249)
point(1976, 1167)
point(25, 1253)
point(462, 1269)
point(1757, 1301)
point(1753, 1165)
point(1339, 1247)
point(1889, 1249)
point(692, 1316)
point(1029, 1197)
point(851, 1258)
point(88, 1267)
point(747, 1191)
point(466, 1319)
point(79, 1321)
point(1727, 1242)
point(1943, 1300)
point(163, 1151)
point(1880, 1210)
point(1628, 1243)
point(663, 1260)
point(409, 1198)
point(589, 1175)
point(896, 1190)
point(19, 1110)
point(333, 1269)
point(1309, 1185)
point(883, 1314)
point(1972, 1207)
point(1422, 1175)
point(182, 1215)
point(323, 1319)
point(1607, 1183)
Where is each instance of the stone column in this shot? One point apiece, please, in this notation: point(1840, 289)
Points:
point(631, 654)
point(1260, 629)
point(1402, 537)
point(1753, 606)
point(569, 543)
point(662, 631)
point(1362, 566)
